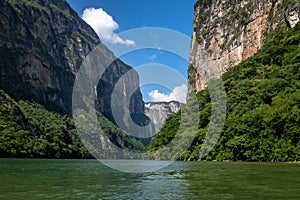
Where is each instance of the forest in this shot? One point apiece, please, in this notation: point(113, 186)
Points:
point(29, 130)
point(263, 105)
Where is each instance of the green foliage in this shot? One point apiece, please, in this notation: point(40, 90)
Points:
point(27, 3)
point(31, 4)
point(120, 138)
point(169, 130)
point(203, 3)
point(263, 106)
point(29, 130)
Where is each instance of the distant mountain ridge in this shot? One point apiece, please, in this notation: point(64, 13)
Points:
point(159, 111)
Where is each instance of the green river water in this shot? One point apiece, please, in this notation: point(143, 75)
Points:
point(88, 179)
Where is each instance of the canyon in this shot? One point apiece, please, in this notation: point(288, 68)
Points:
point(226, 33)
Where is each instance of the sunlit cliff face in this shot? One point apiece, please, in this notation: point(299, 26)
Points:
point(227, 33)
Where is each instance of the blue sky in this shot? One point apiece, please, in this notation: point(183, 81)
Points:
point(122, 15)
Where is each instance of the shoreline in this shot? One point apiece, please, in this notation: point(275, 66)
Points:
point(214, 161)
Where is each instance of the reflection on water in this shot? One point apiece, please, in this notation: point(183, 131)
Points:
point(89, 179)
point(136, 166)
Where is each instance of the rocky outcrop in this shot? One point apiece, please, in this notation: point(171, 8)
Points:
point(159, 111)
point(42, 45)
point(228, 32)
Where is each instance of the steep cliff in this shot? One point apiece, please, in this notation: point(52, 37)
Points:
point(228, 32)
point(262, 120)
point(159, 111)
point(107, 84)
point(42, 45)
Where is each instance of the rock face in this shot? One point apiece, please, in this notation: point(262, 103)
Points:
point(226, 33)
point(159, 111)
point(42, 45)
point(107, 85)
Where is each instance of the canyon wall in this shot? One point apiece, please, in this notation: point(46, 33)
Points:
point(42, 46)
point(159, 111)
point(228, 32)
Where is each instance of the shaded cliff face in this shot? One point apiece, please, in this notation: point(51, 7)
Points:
point(159, 111)
point(226, 33)
point(42, 45)
point(107, 85)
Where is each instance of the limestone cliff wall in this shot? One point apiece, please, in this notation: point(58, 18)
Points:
point(42, 45)
point(159, 111)
point(228, 32)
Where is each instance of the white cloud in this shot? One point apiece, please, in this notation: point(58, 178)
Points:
point(104, 25)
point(178, 94)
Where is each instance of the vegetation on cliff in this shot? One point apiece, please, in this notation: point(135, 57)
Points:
point(263, 106)
point(29, 130)
point(43, 44)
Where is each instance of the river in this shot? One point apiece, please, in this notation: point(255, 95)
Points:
point(26, 179)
